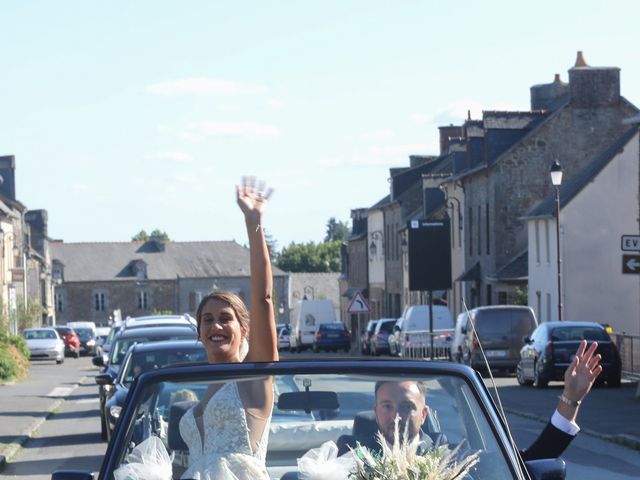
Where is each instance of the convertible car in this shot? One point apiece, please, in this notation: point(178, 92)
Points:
point(318, 402)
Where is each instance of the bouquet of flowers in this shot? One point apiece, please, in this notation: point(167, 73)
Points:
point(402, 461)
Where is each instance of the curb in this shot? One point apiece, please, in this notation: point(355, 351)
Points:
point(22, 438)
point(629, 441)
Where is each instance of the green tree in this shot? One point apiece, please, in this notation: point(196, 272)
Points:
point(157, 234)
point(521, 296)
point(337, 230)
point(141, 236)
point(311, 257)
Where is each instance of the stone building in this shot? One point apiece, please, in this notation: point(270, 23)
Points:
point(95, 281)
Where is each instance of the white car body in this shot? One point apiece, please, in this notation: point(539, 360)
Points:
point(44, 344)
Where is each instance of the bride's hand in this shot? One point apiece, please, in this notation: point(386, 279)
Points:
point(252, 198)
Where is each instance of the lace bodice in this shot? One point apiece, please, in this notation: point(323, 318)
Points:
point(225, 428)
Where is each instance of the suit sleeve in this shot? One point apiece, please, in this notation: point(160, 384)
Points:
point(551, 443)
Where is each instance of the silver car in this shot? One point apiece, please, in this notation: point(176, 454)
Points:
point(44, 344)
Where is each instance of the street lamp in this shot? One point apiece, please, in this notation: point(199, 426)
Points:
point(556, 180)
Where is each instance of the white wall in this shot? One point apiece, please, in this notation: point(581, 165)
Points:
point(593, 285)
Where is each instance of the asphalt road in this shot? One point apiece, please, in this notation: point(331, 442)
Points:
point(69, 437)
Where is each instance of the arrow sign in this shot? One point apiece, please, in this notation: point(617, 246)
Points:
point(631, 264)
point(358, 304)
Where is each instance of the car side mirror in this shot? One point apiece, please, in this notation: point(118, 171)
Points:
point(104, 379)
point(98, 361)
point(547, 469)
point(396, 328)
point(526, 340)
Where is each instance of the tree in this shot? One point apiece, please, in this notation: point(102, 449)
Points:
point(337, 230)
point(311, 257)
point(157, 234)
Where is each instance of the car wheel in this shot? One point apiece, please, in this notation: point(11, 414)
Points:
point(538, 381)
point(60, 360)
point(520, 376)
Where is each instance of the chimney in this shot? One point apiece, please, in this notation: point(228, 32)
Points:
point(592, 87)
point(542, 96)
point(37, 220)
point(445, 134)
point(7, 177)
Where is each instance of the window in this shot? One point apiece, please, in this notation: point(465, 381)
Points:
point(486, 218)
point(548, 307)
point(489, 295)
point(503, 298)
point(98, 301)
point(539, 304)
point(547, 240)
point(143, 300)
point(479, 231)
point(537, 228)
point(470, 231)
point(58, 302)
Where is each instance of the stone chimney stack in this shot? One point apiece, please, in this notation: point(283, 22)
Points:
point(542, 96)
point(8, 176)
point(446, 133)
point(592, 87)
point(38, 220)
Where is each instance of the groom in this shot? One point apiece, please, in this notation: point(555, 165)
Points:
point(406, 399)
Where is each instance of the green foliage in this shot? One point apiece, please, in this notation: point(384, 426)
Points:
point(162, 312)
point(521, 297)
point(311, 257)
point(337, 230)
point(14, 357)
point(157, 234)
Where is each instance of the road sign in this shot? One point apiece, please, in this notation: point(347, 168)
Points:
point(358, 304)
point(631, 264)
point(630, 243)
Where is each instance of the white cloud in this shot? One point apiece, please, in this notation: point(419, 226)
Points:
point(198, 130)
point(204, 86)
point(179, 157)
point(378, 134)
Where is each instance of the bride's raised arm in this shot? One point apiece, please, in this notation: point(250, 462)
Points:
point(263, 342)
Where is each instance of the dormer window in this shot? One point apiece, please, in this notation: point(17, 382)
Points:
point(139, 268)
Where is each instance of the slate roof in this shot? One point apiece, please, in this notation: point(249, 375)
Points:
point(381, 203)
point(113, 261)
point(574, 185)
point(516, 270)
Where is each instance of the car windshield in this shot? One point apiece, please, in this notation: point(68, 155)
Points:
point(387, 326)
point(455, 417)
point(332, 326)
point(578, 333)
point(140, 362)
point(39, 334)
point(64, 330)
point(121, 346)
point(84, 333)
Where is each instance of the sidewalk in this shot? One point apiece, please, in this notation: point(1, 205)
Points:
point(24, 407)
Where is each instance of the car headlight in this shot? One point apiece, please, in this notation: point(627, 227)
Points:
point(91, 343)
point(115, 411)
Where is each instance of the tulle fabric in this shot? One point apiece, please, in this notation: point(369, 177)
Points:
point(323, 463)
point(147, 461)
point(234, 466)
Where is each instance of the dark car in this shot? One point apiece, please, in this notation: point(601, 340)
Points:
point(119, 348)
point(71, 340)
point(332, 336)
point(551, 348)
point(87, 338)
point(365, 339)
point(337, 392)
point(141, 358)
point(379, 342)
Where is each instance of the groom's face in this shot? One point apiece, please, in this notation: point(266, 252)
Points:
point(405, 400)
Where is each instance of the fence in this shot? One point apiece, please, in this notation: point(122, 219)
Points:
point(629, 348)
point(417, 344)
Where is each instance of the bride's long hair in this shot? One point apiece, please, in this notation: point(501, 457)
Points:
point(240, 309)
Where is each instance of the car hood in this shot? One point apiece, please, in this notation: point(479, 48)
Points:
point(37, 343)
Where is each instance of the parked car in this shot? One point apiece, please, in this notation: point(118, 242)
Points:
point(550, 349)
point(102, 333)
point(284, 337)
point(44, 344)
point(343, 390)
point(365, 338)
point(70, 339)
point(332, 336)
point(415, 336)
point(458, 337)
point(87, 338)
point(140, 358)
point(119, 349)
point(379, 342)
point(305, 318)
point(501, 330)
point(394, 338)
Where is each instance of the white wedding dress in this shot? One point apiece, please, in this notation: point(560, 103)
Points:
point(225, 453)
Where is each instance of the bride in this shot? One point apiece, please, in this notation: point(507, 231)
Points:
point(227, 431)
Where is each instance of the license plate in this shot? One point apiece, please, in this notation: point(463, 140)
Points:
point(333, 335)
point(496, 353)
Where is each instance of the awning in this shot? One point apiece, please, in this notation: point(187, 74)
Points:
point(471, 275)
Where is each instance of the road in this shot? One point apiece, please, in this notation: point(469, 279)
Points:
point(70, 437)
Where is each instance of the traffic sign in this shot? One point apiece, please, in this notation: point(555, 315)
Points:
point(358, 304)
point(630, 243)
point(631, 264)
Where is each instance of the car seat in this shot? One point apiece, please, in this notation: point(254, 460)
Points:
point(176, 411)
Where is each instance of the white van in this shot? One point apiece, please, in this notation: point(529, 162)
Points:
point(415, 339)
point(305, 318)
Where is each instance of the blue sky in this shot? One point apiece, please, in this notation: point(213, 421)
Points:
point(125, 115)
